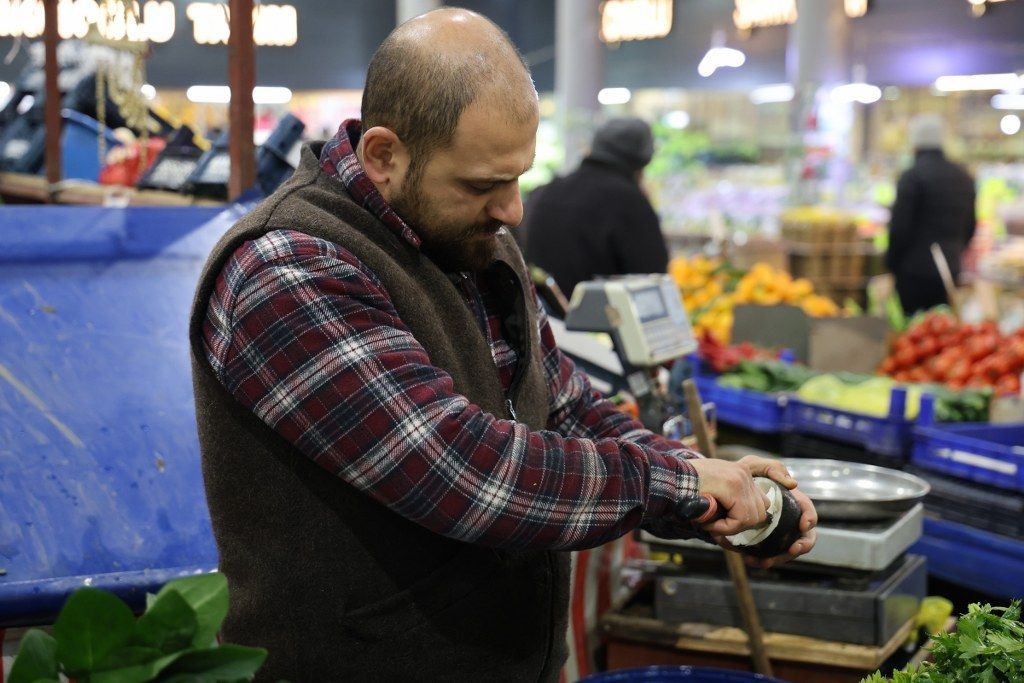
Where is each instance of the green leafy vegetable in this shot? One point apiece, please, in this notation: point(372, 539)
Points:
point(987, 646)
point(98, 640)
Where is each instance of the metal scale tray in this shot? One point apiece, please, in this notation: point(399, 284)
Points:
point(866, 546)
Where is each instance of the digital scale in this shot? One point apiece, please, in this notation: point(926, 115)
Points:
point(644, 317)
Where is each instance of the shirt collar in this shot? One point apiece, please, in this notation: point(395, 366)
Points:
point(338, 159)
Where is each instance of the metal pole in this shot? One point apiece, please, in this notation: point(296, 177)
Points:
point(579, 74)
point(52, 106)
point(407, 9)
point(241, 78)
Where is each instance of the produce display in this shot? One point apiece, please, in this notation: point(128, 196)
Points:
point(711, 288)
point(939, 349)
point(863, 394)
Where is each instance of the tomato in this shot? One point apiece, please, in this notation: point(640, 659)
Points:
point(988, 327)
point(1001, 364)
point(941, 324)
point(955, 385)
point(927, 347)
point(960, 372)
point(980, 346)
point(906, 358)
point(901, 376)
point(888, 366)
point(944, 364)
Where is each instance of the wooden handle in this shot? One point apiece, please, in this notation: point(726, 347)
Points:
point(947, 278)
point(737, 570)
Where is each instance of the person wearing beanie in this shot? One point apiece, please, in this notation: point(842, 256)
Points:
point(934, 204)
point(597, 221)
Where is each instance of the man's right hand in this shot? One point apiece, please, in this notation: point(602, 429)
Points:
point(732, 485)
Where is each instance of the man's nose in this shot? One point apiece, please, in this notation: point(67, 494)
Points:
point(507, 206)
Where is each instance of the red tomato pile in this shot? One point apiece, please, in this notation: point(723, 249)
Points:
point(940, 349)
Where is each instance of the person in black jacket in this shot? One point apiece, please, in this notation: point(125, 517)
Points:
point(597, 221)
point(934, 204)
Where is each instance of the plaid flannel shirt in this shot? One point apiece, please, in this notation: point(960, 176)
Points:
point(304, 334)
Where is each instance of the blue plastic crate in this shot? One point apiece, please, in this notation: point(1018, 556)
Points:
point(985, 453)
point(977, 559)
point(753, 410)
point(80, 146)
point(890, 435)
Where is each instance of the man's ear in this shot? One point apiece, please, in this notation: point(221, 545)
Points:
point(385, 158)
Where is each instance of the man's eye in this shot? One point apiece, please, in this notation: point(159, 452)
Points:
point(480, 188)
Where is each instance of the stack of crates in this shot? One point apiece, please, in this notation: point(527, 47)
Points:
point(825, 248)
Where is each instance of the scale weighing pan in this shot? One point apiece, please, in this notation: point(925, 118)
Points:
point(852, 491)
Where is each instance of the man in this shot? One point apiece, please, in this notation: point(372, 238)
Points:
point(396, 455)
point(597, 221)
point(934, 204)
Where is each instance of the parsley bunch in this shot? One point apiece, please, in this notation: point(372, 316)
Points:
point(986, 647)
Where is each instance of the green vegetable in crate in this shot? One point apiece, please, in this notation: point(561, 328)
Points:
point(766, 376)
point(870, 397)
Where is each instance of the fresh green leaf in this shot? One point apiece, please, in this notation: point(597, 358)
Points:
point(224, 663)
point(91, 625)
point(169, 624)
point(138, 673)
point(207, 595)
point(36, 659)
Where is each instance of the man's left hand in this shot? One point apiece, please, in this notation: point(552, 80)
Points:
point(776, 471)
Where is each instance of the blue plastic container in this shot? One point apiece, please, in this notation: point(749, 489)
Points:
point(689, 674)
point(753, 410)
point(79, 142)
point(986, 562)
point(985, 453)
point(890, 435)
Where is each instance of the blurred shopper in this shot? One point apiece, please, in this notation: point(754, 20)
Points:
point(597, 220)
point(934, 204)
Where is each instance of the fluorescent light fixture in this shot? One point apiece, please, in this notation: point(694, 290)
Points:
point(677, 119)
point(208, 94)
point(1004, 100)
point(148, 91)
point(5, 92)
point(766, 94)
point(978, 82)
point(221, 94)
point(719, 57)
point(864, 93)
point(26, 103)
point(263, 94)
point(614, 95)
point(1010, 124)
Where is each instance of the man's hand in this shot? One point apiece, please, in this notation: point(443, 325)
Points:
point(733, 486)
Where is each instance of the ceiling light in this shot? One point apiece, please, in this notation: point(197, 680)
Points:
point(766, 94)
point(263, 94)
point(209, 94)
point(718, 57)
point(148, 91)
point(5, 93)
point(614, 95)
point(26, 103)
point(978, 82)
point(1010, 124)
point(677, 119)
point(1007, 100)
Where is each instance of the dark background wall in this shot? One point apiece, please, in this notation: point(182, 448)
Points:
point(901, 42)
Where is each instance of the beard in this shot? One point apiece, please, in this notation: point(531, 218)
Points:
point(453, 246)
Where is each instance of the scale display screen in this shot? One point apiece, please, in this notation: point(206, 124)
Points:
point(649, 304)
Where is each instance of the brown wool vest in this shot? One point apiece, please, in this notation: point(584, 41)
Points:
point(332, 583)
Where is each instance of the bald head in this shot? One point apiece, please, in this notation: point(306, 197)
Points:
point(425, 74)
